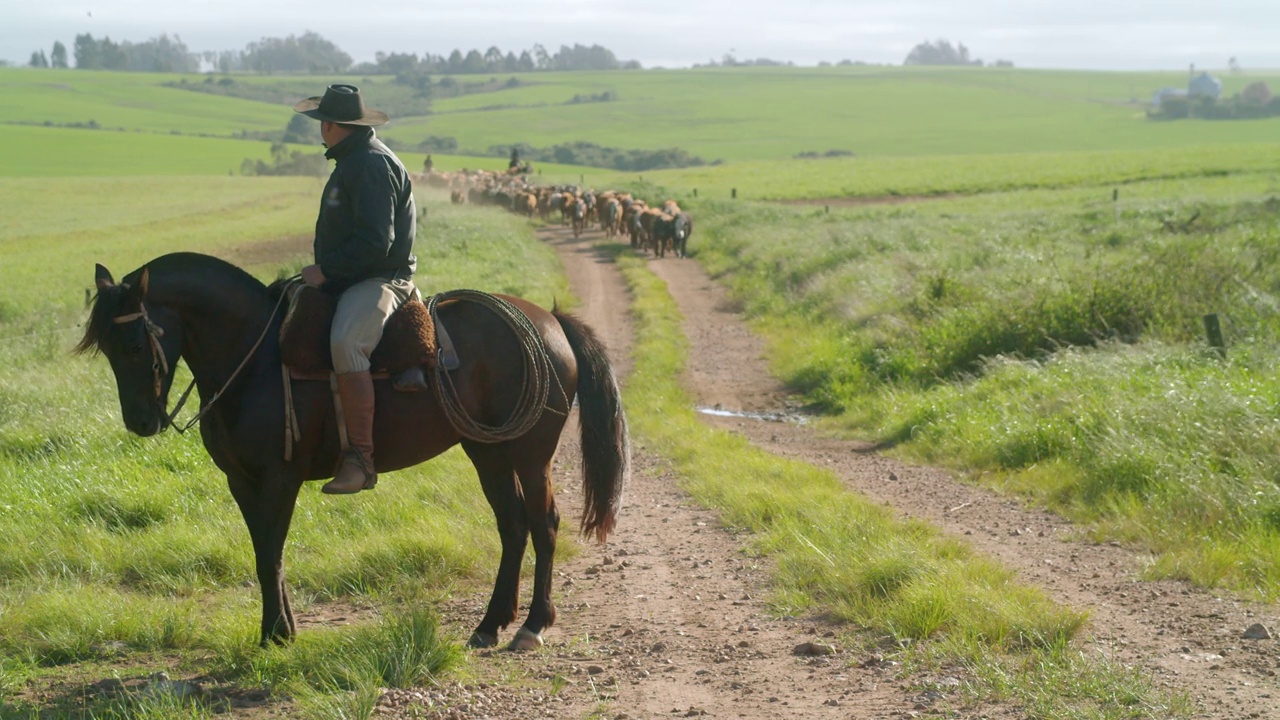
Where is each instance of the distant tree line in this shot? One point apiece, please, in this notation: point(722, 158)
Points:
point(159, 54)
point(494, 60)
point(56, 58)
point(1253, 102)
point(312, 53)
point(592, 155)
point(942, 52)
point(728, 60)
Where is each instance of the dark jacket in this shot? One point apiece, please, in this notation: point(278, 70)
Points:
point(367, 215)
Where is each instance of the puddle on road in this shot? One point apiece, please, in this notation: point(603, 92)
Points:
point(762, 417)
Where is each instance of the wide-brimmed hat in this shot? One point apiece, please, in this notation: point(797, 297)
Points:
point(341, 104)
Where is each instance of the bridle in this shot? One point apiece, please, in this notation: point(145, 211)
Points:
point(160, 364)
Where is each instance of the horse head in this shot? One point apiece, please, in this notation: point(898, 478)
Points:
point(142, 343)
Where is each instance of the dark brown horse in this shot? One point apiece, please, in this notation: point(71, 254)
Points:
point(211, 314)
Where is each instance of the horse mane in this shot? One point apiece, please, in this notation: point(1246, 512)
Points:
point(106, 304)
point(101, 318)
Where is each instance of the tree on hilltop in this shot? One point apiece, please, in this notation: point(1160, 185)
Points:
point(1256, 94)
point(58, 58)
point(308, 52)
point(940, 52)
point(38, 60)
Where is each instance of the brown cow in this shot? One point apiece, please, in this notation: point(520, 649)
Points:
point(631, 210)
point(526, 203)
point(566, 209)
point(648, 217)
point(579, 212)
point(612, 214)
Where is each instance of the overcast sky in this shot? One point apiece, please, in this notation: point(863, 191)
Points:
point(1095, 34)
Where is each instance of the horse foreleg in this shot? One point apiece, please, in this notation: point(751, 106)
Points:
point(267, 507)
point(498, 479)
point(544, 525)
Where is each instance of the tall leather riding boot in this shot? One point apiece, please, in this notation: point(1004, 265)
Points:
point(355, 470)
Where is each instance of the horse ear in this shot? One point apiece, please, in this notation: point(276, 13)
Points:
point(102, 278)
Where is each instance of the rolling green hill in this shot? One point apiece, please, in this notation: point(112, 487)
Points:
point(775, 113)
point(729, 113)
point(126, 101)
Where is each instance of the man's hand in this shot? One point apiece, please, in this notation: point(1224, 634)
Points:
point(312, 276)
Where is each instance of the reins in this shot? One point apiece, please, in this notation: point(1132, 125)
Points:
point(160, 363)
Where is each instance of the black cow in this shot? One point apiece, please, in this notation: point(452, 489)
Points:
point(682, 228)
point(663, 234)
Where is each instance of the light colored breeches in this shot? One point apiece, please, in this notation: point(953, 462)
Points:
point(363, 310)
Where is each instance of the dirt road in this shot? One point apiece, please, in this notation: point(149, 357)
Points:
point(667, 620)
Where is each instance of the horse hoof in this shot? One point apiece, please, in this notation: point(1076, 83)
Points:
point(525, 639)
point(481, 640)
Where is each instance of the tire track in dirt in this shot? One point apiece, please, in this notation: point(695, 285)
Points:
point(1186, 639)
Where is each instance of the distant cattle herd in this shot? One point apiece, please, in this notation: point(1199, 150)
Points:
point(662, 229)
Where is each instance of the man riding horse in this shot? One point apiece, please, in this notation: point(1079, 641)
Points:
point(363, 254)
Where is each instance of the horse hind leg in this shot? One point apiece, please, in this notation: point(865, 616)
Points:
point(544, 526)
point(498, 480)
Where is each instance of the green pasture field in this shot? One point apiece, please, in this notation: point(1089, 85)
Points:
point(774, 113)
point(887, 178)
point(130, 101)
point(731, 114)
point(59, 227)
point(68, 152)
point(124, 550)
point(1036, 342)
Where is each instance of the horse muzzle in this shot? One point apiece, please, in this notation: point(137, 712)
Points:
point(143, 421)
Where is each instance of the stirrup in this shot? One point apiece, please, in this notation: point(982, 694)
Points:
point(333, 487)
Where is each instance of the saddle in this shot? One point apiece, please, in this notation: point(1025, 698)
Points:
point(408, 340)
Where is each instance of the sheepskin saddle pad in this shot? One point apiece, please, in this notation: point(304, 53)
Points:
point(408, 339)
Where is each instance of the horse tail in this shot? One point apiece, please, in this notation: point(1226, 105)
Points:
point(606, 446)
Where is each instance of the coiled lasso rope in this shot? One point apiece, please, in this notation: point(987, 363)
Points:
point(536, 380)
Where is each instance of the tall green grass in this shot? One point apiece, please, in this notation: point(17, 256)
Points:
point(898, 582)
point(1049, 349)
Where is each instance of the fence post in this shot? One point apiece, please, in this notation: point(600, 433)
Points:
point(695, 192)
point(1213, 332)
point(1115, 198)
point(734, 193)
